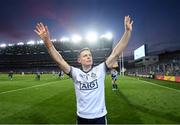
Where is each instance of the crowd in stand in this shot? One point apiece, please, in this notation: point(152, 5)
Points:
point(168, 68)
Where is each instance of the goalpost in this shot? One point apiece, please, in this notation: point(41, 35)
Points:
point(121, 65)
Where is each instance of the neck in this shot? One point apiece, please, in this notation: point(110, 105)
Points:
point(86, 68)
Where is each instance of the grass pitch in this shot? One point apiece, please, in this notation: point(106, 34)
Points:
point(25, 100)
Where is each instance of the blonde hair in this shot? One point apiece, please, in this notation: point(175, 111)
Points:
point(83, 49)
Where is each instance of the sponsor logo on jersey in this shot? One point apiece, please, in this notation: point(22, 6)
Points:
point(84, 77)
point(88, 85)
point(93, 75)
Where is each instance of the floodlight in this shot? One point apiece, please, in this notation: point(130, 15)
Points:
point(40, 42)
point(20, 43)
point(53, 40)
point(3, 45)
point(91, 37)
point(76, 38)
point(108, 36)
point(10, 44)
point(31, 42)
point(64, 39)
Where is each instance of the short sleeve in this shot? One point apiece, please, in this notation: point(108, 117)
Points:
point(73, 72)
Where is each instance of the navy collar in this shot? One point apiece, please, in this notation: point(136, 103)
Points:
point(88, 70)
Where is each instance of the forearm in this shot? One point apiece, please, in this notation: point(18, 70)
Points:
point(52, 51)
point(118, 49)
point(121, 44)
point(48, 42)
point(56, 56)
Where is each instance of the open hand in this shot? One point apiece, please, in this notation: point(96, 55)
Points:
point(128, 23)
point(42, 31)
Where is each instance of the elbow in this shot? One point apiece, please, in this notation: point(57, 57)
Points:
point(111, 61)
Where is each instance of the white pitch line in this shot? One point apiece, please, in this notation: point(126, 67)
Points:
point(162, 86)
point(25, 88)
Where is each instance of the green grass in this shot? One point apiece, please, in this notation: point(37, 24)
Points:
point(52, 101)
point(170, 84)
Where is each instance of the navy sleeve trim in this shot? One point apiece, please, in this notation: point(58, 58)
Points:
point(107, 68)
point(70, 72)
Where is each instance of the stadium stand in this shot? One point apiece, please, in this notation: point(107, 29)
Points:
point(33, 58)
point(168, 65)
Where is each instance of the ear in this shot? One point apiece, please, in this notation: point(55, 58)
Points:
point(79, 60)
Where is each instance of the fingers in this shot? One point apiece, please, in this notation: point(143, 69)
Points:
point(36, 31)
point(46, 28)
point(127, 18)
point(132, 22)
point(128, 23)
point(40, 27)
point(42, 31)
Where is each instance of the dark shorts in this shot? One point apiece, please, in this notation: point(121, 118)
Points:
point(101, 120)
point(114, 78)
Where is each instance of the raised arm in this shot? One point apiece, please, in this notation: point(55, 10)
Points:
point(121, 44)
point(43, 32)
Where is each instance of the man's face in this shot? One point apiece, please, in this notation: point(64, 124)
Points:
point(85, 58)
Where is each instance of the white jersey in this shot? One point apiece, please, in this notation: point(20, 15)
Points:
point(114, 74)
point(89, 89)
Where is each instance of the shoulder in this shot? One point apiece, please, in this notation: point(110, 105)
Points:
point(74, 71)
point(102, 66)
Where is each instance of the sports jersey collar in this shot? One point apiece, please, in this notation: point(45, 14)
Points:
point(88, 70)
